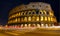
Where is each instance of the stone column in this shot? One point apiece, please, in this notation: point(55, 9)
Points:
point(29, 25)
point(46, 25)
point(38, 25)
point(21, 25)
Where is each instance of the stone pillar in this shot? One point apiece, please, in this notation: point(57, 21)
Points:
point(42, 25)
point(21, 25)
point(25, 25)
point(38, 25)
point(46, 25)
point(29, 25)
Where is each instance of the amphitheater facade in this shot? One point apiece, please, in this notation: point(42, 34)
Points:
point(34, 14)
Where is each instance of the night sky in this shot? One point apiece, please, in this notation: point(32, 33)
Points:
point(7, 5)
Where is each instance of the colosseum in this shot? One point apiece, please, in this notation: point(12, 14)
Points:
point(34, 14)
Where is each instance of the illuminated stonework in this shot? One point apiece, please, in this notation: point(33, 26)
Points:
point(35, 14)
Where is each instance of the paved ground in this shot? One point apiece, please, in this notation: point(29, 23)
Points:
point(30, 33)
